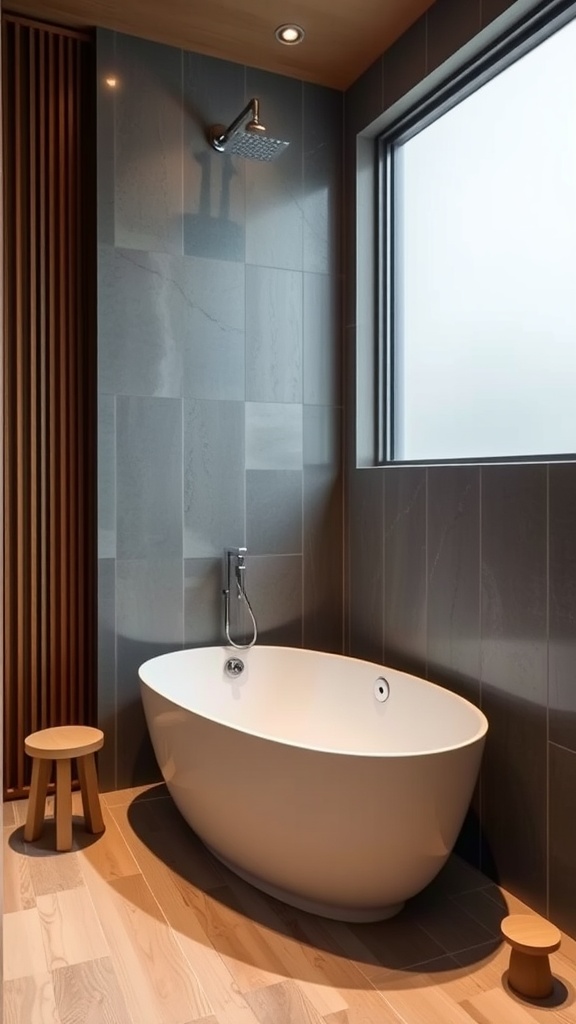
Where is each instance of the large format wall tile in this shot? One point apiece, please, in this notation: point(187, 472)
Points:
point(170, 325)
point(148, 199)
point(201, 367)
point(273, 436)
point(453, 602)
point(273, 335)
point(322, 199)
point(149, 470)
point(453, 616)
point(274, 586)
point(203, 602)
point(106, 476)
point(274, 189)
point(149, 621)
point(274, 512)
point(214, 331)
point(323, 560)
point(322, 351)
point(363, 100)
point(449, 25)
point(404, 64)
point(514, 675)
point(513, 797)
point(107, 671)
point(322, 448)
point(491, 9)
point(562, 651)
point(213, 477)
point(323, 529)
point(365, 564)
point(520, 687)
point(405, 570)
point(514, 581)
point(143, 310)
point(562, 837)
point(214, 183)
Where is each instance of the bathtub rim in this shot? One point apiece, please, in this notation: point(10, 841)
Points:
point(477, 737)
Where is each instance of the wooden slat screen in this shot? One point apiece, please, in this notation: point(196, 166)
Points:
point(49, 382)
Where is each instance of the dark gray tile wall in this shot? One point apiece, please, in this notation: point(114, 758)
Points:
point(453, 577)
point(322, 528)
point(218, 369)
point(562, 610)
point(514, 675)
point(405, 569)
point(214, 185)
point(274, 191)
point(562, 837)
point(468, 574)
point(148, 165)
point(273, 335)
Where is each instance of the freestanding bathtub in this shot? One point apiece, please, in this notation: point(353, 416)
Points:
point(336, 785)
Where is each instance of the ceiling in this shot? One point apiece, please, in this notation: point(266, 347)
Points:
point(343, 37)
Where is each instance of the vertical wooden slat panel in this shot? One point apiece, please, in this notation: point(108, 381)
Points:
point(9, 411)
point(49, 457)
point(64, 539)
point(83, 582)
point(53, 371)
point(73, 413)
point(19, 668)
point(34, 433)
point(43, 380)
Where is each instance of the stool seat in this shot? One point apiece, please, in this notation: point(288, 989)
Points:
point(61, 744)
point(64, 741)
point(532, 939)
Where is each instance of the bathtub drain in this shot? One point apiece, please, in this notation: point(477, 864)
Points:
point(234, 667)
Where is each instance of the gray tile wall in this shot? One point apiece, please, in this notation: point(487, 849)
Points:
point(468, 574)
point(218, 369)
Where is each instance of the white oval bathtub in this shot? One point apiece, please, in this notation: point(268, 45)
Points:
point(302, 782)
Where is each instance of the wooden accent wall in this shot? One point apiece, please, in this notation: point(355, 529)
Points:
point(49, 383)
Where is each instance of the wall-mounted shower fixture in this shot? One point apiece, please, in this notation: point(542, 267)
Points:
point(234, 579)
point(246, 136)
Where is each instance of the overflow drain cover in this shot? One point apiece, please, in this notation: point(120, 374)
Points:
point(381, 689)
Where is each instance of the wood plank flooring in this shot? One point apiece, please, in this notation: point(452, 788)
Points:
point(141, 925)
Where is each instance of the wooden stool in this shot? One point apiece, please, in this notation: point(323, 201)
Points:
point(532, 939)
point(61, 744)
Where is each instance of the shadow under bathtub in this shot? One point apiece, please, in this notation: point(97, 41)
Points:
point(453, 924)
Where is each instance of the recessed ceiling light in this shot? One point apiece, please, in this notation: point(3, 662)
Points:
point(290, 35)
point(111, 82)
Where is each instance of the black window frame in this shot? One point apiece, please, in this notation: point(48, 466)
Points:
point(524, 36)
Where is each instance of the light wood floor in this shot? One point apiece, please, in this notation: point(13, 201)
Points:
point(142, 926)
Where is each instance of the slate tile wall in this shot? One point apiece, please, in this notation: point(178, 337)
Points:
point(467, 575)
point(219, 376)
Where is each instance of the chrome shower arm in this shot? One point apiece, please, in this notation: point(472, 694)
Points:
point(220, 135)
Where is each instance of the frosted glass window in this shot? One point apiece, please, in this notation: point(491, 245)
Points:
point(485, 269)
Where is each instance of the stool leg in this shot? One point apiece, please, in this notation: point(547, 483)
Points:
point(64, 804)
point(41, 770)
point(90, 798)
point(530, 975)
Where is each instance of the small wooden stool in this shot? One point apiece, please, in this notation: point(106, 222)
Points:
point(61, 744)
point(532, 939)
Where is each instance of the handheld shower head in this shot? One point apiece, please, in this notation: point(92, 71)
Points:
point(246, 137)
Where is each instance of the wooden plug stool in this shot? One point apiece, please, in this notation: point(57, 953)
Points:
point(61, 744)
point(532, 939)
